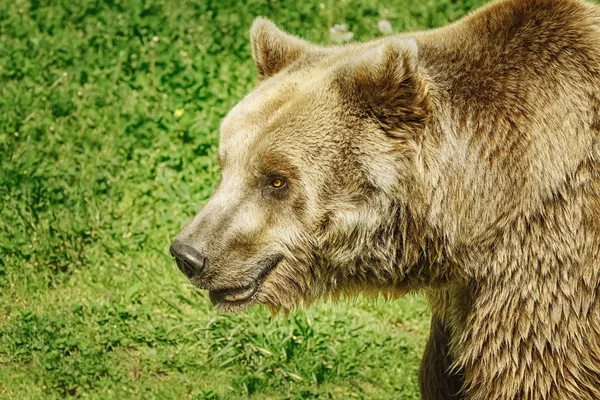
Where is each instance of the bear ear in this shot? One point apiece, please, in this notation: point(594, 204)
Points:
point(389, 87)
point(273, 49)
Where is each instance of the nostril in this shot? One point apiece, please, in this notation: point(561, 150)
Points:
point(188, 259)
point(184, 267)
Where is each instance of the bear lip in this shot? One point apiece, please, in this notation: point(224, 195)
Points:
point(242, 297)
point(233, 298)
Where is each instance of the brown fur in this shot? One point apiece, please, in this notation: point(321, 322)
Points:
point(463, 162)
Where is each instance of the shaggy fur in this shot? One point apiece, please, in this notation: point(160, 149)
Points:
point(463, 162)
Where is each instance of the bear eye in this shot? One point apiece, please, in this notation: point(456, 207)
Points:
point(277, 183)
point(274, 186)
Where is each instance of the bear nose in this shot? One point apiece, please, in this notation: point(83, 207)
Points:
point(188, 259)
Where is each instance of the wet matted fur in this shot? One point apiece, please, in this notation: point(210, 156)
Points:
point(463, 162)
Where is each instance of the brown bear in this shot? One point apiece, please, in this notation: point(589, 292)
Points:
point(462, 162)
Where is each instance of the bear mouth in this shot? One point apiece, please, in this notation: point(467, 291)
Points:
point(242, 297)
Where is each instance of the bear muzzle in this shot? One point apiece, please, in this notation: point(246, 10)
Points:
point(224, 296)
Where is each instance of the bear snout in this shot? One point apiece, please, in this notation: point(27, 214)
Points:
point(188, 259)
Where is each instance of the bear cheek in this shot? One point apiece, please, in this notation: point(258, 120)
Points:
point(285, 288)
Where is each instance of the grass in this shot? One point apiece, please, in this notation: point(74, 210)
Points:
point(109, 115)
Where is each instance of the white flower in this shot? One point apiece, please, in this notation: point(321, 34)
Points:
point(339, 33)
point(385, 27)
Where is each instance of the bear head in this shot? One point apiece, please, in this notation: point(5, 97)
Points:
point(321, 178)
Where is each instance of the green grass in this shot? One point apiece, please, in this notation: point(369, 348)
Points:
point(98, 173)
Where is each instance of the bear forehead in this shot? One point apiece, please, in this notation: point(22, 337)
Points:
point(274, 103)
